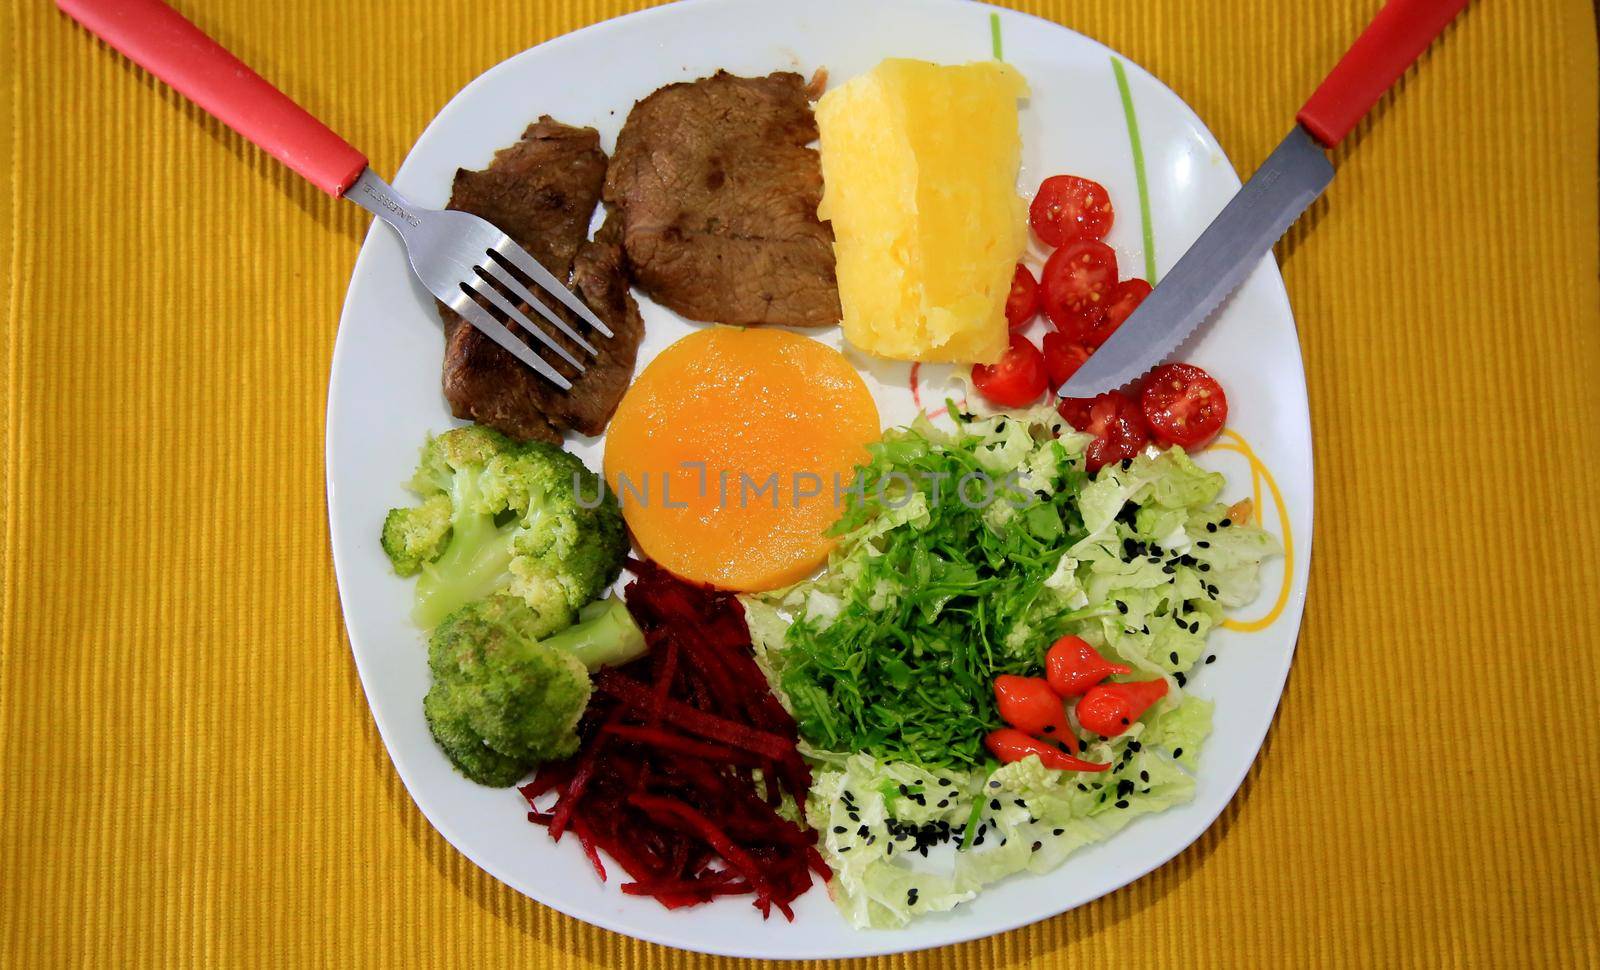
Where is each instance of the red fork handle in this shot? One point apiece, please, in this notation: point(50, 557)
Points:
point(1397, 36)
point(160, 40)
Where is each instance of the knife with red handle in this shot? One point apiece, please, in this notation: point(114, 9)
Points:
point(1265, 207)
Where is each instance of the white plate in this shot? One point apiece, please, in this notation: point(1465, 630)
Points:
point(383, 398)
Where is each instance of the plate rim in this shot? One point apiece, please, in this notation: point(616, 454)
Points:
point(872, 942)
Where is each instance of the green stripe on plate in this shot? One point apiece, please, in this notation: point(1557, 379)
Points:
point(1138, 169)
point(994, 36)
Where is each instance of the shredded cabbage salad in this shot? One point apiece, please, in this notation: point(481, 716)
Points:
point(887, 659)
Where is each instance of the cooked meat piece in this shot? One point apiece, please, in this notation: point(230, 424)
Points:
point(542, 191)
point(718, 194)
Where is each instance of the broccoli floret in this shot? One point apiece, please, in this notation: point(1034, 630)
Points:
point(512, 522)
point(503, 699)
point(466, 748)
point(414, 536)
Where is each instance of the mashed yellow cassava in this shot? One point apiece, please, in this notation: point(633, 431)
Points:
point(919, 165)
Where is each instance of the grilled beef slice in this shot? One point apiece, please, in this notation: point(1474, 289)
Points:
point(718, 195)
point(542, 192)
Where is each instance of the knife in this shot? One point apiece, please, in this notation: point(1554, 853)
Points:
point(1268, 204)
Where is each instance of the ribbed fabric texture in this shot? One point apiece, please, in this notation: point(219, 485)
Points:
point(188, 772)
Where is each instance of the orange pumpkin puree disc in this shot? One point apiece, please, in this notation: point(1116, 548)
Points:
point(733, 451)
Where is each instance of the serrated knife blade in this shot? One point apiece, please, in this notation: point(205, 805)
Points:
point(1292, 177)
point(1230, 248)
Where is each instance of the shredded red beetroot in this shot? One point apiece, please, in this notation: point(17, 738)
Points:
point(664, 782)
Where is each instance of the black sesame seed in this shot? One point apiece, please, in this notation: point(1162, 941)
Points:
point(1049, 729)
point(1122, 607)
point(994, 804)
point(1225, 522)
point(1058, 831)
point(1211, 659)
point(1169, 569)
point(844, 848)
point(862, 831)
point(1144, 776)
point(1122, 803)
point(1135, 745)
point(1037, 846)
point(1204, 544)
point(994, 784)
point(1177, 752)
point(1211, 527)
point(838, 829)
point(944, 803)
point(1082, 787)
point(1153, 559)
point(1082, 745)
point(1205, 567)
point(1127, 463)
point(1124, 721)
point(1181, 679)
point(1019, 803)
point(904, 791)
point(1173, 656)
point(1124, 788)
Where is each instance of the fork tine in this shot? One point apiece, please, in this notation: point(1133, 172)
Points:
point(496, 331)
point(510, 281)
point(509, 309)
point(541, 276)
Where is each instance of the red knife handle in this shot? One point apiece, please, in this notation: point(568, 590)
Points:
point(160, 40)
point(1397, 36)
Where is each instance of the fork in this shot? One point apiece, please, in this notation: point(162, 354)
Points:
point(457, 256)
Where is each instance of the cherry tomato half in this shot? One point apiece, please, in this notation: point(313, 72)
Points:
point(1116, 423)
point(1076, 285)
point(1022, 303)
point(1017, 379)
point(1125, 298)
point(1062, 357)
point(1067, 207)
point(1184, 405)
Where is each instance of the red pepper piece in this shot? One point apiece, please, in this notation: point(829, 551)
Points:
point(1108, 709)
point(1072, 667)
point(1009, 745)
point(1029, 705)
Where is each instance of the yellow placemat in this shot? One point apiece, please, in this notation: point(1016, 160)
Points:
point(188, 772)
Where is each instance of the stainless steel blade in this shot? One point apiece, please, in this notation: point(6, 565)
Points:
point(1265, 207)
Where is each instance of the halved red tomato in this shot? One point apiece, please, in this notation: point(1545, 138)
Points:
point(1062, 357)
point(1184, 405)
point(1022, 303)
point(1116, 423)
point(1124, 299)
point(1067, 207)
point(1017, 379)
point(1076, 287)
